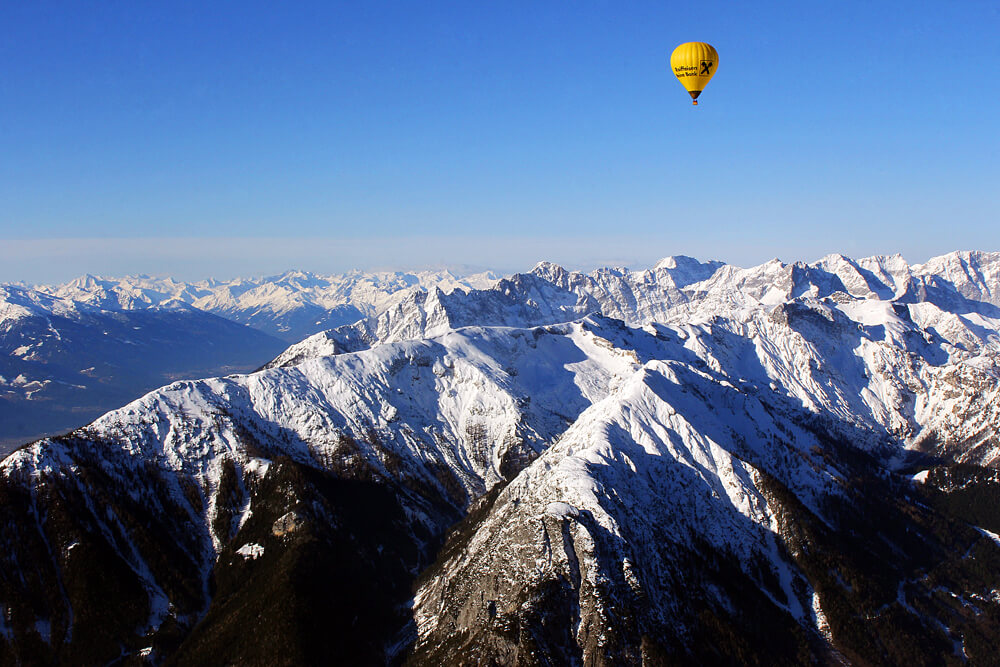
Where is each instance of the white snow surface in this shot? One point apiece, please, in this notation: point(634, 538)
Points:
point(251, 550)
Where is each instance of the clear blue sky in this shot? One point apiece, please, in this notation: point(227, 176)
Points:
point(330, 135)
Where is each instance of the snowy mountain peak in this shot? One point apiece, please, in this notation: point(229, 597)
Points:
point(86, 282)
point(686, 270)
point(550, 271)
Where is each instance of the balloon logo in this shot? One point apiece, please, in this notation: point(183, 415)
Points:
point(694, 65)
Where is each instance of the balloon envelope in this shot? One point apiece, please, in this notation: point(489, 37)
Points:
point(694, 65)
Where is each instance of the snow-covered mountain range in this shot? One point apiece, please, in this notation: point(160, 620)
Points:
point(69, 353)
point(290, 305)
point(788, 464)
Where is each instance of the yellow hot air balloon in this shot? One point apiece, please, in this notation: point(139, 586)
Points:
point(694, 66)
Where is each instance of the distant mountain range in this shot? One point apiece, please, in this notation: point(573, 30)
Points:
point(69, 353)
point(289, 306)
point(692, 464)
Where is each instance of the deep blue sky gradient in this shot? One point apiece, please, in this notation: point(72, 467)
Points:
point(848, 127)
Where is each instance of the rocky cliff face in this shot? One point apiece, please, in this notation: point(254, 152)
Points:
point(784, 465)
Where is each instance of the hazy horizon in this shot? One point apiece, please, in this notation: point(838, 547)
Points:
point(61, 260)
